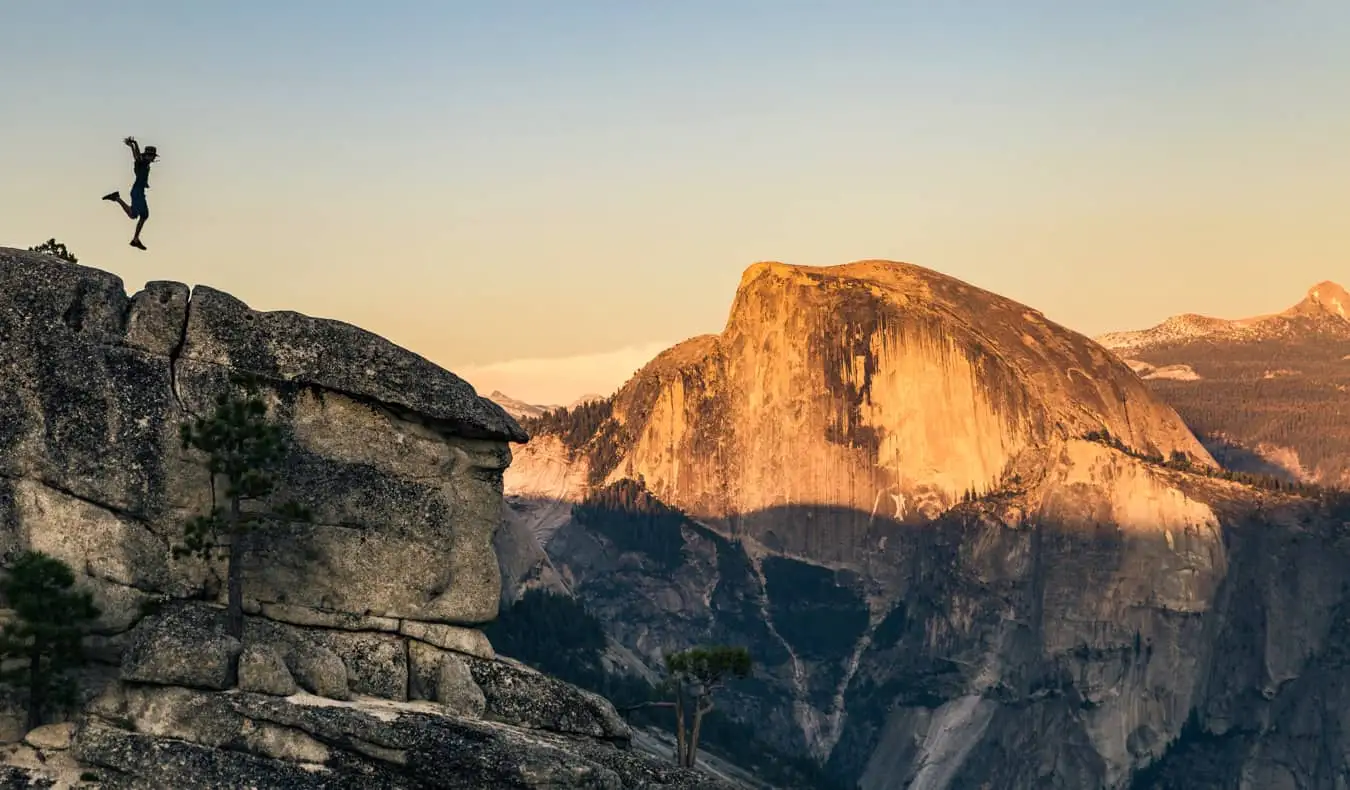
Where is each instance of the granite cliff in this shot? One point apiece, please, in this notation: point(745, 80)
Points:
point(968, 546)
point(362, 663)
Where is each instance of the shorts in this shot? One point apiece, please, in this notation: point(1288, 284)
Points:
point(139, 208)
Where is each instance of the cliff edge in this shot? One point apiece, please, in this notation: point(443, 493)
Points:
point(362, 664)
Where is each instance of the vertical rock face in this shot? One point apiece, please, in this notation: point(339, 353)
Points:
point(360, 664)
point(865, 389)
point(400, 461)
point(967, 547)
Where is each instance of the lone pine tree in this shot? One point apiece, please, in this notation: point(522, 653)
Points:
point(44, 640)
point(243, 451)
point(693, 677)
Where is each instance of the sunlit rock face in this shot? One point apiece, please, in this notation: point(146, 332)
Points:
point(945, 528)
point(873, 388)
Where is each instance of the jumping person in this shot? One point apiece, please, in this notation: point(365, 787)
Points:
point(137, 209)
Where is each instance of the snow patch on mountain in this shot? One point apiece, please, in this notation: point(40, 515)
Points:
point(1148, 372)
point(518, 408)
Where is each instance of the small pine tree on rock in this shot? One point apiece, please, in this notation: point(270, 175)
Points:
point(44, 641)
point(54, 247)
point(245, 450)
point(693, 677)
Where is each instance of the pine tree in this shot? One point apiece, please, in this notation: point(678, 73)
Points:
point(54, 247)
point(50, 621)
point(693, 677)
point(244, 449)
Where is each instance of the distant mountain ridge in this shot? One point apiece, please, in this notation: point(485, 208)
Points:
point(520, 409)
point(1268, 394)
point(1324, 310)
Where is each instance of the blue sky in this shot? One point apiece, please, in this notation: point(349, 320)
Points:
point(498, 183)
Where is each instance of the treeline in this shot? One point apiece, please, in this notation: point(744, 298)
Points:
point(587, 428)
point(554, 633)
point(1227, 359)
point(1306, 409)
point(632, 519)
point(574, 426)
point(1180, 461)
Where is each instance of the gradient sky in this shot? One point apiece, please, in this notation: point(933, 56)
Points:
point(537, 195)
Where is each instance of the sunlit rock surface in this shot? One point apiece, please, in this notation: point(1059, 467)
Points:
point(967, 546)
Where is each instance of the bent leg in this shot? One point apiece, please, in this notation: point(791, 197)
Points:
point(116, 197)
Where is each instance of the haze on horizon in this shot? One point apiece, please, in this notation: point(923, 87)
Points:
point(539, 195)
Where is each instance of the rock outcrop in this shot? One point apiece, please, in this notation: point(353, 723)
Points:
point(865, 390)
point(361, 663)
point(968, 547)
point(898, 390)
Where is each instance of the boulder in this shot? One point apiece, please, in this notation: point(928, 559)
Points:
point(52, 737)
point(400, 460)
point(374, 664)
point(377, 664)
point(461, 640)
point(318, 670)
point(262, 669)
point(517, 695)
point(456, 689)
point(184, 645)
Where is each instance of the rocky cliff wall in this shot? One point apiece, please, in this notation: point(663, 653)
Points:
point(871, 388)
point(1112, 623)
point(1058, 630)
point(400, 460)
point(361, 664)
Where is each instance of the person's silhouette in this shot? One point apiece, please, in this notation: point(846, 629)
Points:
point(137, 209)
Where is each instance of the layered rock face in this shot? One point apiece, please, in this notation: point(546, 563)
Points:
point(1057, 626)
point(354, 617)
point(400, 461)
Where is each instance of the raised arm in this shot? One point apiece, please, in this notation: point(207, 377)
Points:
point(135, 148)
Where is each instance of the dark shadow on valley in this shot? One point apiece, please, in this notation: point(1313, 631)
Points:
point(955, 591)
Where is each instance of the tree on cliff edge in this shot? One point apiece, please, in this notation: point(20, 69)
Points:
point(44, 640)
point(693, 677)
point(54, 247)
point(243, 451)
